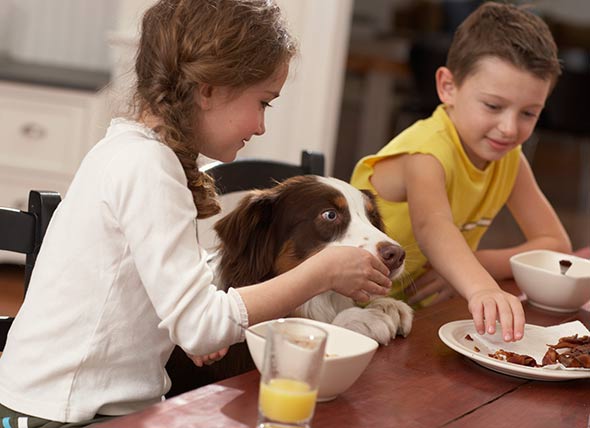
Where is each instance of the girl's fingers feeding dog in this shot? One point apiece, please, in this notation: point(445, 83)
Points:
point(355, 272)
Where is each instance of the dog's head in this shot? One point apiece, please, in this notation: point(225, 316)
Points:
point(274, 230)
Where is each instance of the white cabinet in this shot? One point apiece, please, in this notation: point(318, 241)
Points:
point(44, 134)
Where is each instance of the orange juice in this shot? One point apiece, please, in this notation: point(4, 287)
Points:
point(286, 400)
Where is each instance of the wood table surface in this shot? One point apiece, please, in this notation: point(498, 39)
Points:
point(416, 382)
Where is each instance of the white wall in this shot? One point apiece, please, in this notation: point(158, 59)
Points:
point(307, 113)
point(75, 33)
point(59, 32)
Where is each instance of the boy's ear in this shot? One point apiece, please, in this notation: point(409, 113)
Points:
point(203, 95)
point(445, 85)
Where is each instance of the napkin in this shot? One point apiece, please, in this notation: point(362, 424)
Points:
point(535, 342)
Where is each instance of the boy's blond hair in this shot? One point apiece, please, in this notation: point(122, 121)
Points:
point(508, 32)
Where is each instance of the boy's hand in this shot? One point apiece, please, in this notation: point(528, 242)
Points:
point(428, 284)
point(490, 305)
point(209, 359)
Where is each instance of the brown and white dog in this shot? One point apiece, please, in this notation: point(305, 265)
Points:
point(273, 230)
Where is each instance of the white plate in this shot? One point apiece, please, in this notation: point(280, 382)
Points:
point(453, 335)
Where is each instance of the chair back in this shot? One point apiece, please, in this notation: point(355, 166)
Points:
point(22, 232)
point(248, 174)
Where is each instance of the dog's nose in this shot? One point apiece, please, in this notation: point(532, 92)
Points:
point(392, 255)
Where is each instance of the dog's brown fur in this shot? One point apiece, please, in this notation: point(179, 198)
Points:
point(258, 239)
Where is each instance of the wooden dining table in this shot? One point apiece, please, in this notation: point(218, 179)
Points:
point(414, 382)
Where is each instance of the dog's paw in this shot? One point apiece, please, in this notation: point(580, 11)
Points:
point(368, 322)
point(397, 310)
point(382, 319)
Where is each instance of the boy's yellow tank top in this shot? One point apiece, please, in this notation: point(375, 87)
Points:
point(475, 195)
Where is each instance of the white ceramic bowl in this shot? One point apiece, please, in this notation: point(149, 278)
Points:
point(538, 275)
point(347, 355)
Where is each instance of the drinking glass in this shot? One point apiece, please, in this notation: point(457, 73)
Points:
point(293, 359)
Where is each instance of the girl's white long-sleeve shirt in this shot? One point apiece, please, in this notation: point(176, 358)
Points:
point(119, 281)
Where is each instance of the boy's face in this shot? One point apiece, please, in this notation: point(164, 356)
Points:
point(495, 109)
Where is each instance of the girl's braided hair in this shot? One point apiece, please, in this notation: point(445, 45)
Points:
point(185, 43)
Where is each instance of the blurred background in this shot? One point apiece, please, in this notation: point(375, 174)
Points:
point(396, 46)
point(365, 72)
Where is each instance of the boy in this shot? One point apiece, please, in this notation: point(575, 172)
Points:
point(440, 183)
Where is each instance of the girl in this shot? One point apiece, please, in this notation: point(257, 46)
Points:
point(121, 278)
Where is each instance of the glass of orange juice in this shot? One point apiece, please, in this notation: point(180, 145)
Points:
point(293, 360)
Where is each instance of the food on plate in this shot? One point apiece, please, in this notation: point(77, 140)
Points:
point(570, 351)
point(513, 357)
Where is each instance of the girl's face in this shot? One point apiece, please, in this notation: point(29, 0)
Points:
point(226, 120)
point(495, 109)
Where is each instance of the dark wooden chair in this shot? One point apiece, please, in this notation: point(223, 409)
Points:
point(248, 174)
point(240, 175)
point(22, 232)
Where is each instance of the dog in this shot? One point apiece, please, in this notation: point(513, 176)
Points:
point(273, 230)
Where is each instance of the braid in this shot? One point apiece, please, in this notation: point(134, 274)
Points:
point(187, 43)
point(175, 131)
point(200, 184)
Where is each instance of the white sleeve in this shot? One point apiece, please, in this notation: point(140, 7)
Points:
point(149, 197)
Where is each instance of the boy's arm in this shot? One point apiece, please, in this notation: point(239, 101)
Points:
point(537, 220)
point(434, 229)
point(446, 249)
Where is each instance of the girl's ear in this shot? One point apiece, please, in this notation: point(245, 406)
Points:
point(445, 86)
point(203, 95)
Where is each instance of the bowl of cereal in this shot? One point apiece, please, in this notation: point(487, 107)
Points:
point(348, 354)
point(552, 280)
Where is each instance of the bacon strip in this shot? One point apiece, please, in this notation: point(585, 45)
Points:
point(513, 357)
point(571, 351)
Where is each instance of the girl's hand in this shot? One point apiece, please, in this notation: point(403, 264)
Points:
point(209, 359)
point(430, 283)
point(352, 272)
point(490, 305)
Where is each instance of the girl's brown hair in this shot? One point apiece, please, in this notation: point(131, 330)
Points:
point(185, 43)
point(508, 32)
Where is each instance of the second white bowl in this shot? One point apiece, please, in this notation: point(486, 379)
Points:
point(537, 273)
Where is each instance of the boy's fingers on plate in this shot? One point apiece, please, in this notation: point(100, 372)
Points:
point(460, 336)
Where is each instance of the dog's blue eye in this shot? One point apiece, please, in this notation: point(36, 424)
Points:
point(329, 215)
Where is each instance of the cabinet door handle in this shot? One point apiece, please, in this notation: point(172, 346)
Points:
point(33, 131)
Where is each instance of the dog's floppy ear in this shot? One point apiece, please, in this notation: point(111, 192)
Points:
point(247, 248)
